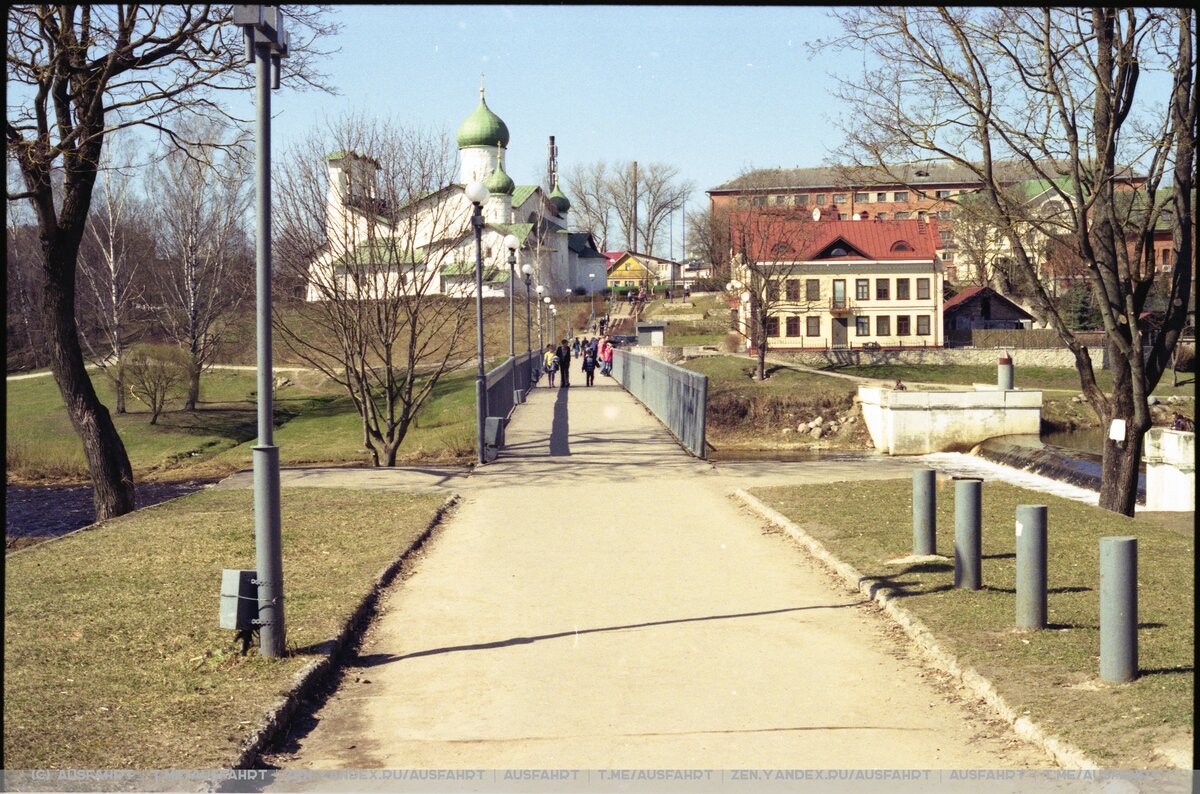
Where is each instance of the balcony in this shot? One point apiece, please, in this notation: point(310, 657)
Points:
point(839, 307)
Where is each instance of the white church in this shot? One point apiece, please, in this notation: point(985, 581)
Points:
point(438, 243)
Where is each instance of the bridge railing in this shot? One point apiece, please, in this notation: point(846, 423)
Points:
point(507, 384)
point(675, 395)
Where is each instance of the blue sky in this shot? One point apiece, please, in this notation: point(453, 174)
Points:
point(710, 90)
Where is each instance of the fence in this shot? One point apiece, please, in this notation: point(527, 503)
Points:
point(675, 395)
point(502, 383)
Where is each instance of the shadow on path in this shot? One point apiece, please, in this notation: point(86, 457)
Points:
point(560, 430)
point(373, 660)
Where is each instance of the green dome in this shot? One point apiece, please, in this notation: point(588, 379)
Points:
point(500, 183)
point(559, 200)
point(482, 128)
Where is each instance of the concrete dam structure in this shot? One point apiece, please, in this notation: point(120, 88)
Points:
point(919, 422)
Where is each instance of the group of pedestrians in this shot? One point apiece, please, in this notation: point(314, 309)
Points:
point(595, 352)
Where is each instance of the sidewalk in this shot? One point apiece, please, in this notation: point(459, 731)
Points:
point(597, 601)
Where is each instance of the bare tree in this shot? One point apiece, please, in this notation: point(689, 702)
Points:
point(155, 374)
point(767, 248)
point(660, 193)
point(26, 335)
point(588, 187)
point(75, 74)
point(110, 261)
point(708, 233)
point(204, 270)
point(372, 251)
point(1058, 90)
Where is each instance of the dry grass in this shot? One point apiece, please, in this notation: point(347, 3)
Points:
point(113, 655)
point(1050, 675)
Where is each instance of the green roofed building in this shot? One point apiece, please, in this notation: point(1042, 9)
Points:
point(422, 241)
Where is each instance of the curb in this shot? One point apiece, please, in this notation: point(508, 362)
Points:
point(1064, 754)
point(320, 671)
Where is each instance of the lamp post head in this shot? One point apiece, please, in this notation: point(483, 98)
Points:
point(546, 299)
point(540, 290)
point(477, 192)
point(511, 242)
point(527, 269)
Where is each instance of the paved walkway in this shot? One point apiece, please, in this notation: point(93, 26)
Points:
point(597, 601)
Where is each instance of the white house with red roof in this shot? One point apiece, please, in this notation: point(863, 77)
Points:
point(849, 284)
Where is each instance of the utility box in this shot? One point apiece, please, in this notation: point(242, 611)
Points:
point(650, 334)
point(493, 436)
point(239, 599)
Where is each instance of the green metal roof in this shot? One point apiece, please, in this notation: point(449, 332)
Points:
point(522, 193)
point(341, 155)
point(491, 273)
point(381, 252)
point(519, 230)
point(482, 128)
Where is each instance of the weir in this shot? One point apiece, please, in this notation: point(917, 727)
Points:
point(904, 422)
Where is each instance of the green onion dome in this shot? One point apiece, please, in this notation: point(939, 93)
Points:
point(559, 200)
point(482, 128)
point(500, 183)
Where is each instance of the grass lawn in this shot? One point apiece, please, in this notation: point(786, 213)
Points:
point(42, 444)
point(315, 424)
point(118, 662)
point(1051, 675)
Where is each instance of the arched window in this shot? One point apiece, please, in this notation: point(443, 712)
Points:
point(839, 251)
point(901, 245)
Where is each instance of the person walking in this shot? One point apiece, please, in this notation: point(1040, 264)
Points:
point(550, 364)
point(589, 365)
point(606, 356)
point(575, 347)
point(564, 363)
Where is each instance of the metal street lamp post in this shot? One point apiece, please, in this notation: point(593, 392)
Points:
point(266, 45)
point(553, 324)
point(541, 336)
point(527, 269)
point(511, 243)
point(477, 193)
point(569, 313)
point(592, 283)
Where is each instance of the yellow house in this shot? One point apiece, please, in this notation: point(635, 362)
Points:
point(626, 270)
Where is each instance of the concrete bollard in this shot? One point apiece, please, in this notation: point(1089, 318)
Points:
point(1004, 373)
point(1031, 566)
point(1118, 609)
point(924, 507)
point(968, 559)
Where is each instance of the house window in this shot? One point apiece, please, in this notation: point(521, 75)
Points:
point(881, 196)
point(943, 194)
point(922, 325)
point(793, 290)
point(901, 289)
point(900, 195)
point(812, 289)
point(839, 198)
point(945, 234)
point(772, 326)
point(903, 216)
point(822, 198)
point(843, 216)
point(922, 289)
point(813, 326)
point(902, 325)
point(802, 200)
point(863, 197)
point(947, 256)
point(793, 326)
point(743, 201)
point(862, 326)
point(943, 215)
point(881, 216)
point(862, 289)
point(921, 215)
point(881, 289)
point(759, 201)
point(883, 326)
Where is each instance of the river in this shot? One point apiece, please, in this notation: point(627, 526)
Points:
point(49, 511)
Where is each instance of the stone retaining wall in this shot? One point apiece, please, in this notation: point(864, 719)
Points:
point(937, 355)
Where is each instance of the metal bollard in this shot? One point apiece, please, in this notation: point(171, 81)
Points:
point(968, 561)
point(1118, 609)
point(924, 507)
point(1031, 566)
point(1004, 373)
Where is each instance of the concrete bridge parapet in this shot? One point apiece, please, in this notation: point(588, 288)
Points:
point(919, 422)
point(1170, 457)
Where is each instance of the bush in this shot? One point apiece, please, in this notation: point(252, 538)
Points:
point(155, 375)
point(732, 342)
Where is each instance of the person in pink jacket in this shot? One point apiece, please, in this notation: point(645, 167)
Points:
point(606, 356)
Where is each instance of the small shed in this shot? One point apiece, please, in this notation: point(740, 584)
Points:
point(650, 334)
point(983, 308)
